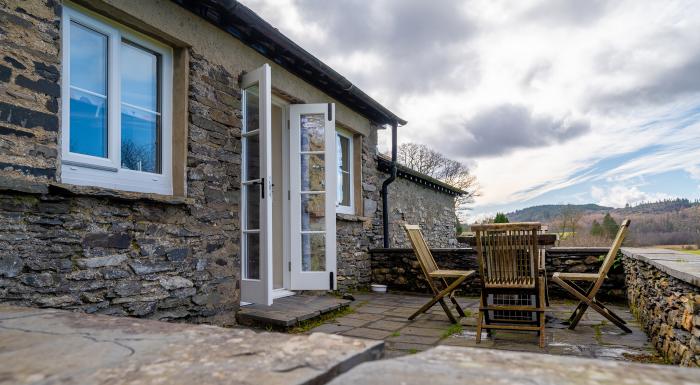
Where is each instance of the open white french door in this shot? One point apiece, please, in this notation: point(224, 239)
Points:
point(256, 186)
point(312, 198)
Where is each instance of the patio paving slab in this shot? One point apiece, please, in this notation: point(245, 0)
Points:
point(595, 337)
point(458, 365)
point(45, 346)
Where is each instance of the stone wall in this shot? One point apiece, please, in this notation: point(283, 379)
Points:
point(355, 233)
point(664, 295)
point(416, 204)
point(399, 269)
point(103, 251)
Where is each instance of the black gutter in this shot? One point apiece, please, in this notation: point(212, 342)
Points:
point(245, 25)
point(385, 185)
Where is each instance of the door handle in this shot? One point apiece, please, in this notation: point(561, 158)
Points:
point(261, 182)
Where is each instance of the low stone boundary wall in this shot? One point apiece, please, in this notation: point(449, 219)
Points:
point(398, 268)
point(663, 288)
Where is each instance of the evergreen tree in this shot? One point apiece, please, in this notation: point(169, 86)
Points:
point(609, 225)
point(500, 218)
point(597, 229)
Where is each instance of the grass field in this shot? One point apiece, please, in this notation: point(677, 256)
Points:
point(690, 249)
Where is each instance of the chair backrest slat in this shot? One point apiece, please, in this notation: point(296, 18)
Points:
point(612, 253)
point(420, 247)
point(507, 253)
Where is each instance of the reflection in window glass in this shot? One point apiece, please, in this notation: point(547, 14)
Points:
point(140, 109)
point(313, 252)
point(88, 88)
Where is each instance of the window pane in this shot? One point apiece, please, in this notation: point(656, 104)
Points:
point(252, 255)
point(139, 77)
point(88, 124)
point(140, 109)
point(88, 59)
point(140, 140)
point(313, 208)
point(344, 159)
point(312, 127)
point(313, 252)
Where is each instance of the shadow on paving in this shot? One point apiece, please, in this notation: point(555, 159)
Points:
point(384, 317)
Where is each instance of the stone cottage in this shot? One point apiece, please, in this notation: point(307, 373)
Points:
point(172, 159)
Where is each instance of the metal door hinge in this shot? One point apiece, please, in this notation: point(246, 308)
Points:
point(289, 264)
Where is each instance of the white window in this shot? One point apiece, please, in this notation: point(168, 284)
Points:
point(344, 194)
point(117, 94)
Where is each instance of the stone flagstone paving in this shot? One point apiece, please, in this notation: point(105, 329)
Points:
point(384, 317)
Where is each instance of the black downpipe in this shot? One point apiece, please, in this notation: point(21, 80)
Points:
point(385, 186)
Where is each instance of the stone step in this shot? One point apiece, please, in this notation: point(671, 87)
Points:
point(287, 312)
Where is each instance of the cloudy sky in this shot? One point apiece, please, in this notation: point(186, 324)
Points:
point(561, 101)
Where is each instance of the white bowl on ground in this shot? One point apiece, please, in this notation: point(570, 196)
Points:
point(377, 288)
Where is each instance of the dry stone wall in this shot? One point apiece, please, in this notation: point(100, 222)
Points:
point(665, 298)
point(399, 269)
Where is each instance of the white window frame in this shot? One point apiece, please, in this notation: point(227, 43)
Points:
point(342, 209)
point(87, 170)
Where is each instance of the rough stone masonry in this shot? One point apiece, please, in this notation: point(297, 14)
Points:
point(109, 252)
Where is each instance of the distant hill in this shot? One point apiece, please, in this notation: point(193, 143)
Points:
point(549, 213)
point(666, 222)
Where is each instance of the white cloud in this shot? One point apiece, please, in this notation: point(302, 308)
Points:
point(620, 195)
point(629, 69)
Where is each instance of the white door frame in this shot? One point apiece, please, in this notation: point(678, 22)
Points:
point(300, 279)
point(257, 290)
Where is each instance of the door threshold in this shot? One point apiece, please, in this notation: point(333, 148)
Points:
point(281, 293)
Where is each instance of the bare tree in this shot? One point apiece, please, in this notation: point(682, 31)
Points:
point(427, 161)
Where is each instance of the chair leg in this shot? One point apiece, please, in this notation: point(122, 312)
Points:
point(541, 315)
point(586, 301)
point(447, 311)
point(454, 300)
point(439, 298)
point(480, 320)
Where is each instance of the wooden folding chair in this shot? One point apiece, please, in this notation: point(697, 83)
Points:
point(512, 275)
point(432, 274)
point(587, 297)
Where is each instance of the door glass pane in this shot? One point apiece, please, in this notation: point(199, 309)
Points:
point(140, 109)
point(252, 206)
point(312, 132)
point(88, 124)
point(313, 208)
point(88, 89)
point(313, 172)
point(252, 157)
point(252, 109)
point(343, 188)
point(88, 59)
point(313, 252)
point(252, 255)
point(251, 168)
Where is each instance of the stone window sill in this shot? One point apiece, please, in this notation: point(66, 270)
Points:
point(351, 218)
point(48, 187)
